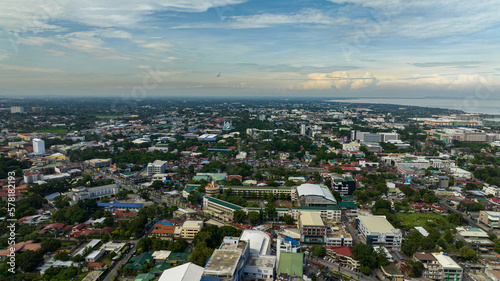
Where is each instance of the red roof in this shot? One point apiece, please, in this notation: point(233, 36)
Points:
point(343, 251)
point(5, 193)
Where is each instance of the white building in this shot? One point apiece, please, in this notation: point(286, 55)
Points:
point(352, 146)
point(94, 256)
point(16, 109)
point(450, 269)
point(186, 272)
point(157, 167)
point(287, 245)
point(376, 230)
point(386, 137)
point(460, 173)
point(38, 147)
point(260, 242)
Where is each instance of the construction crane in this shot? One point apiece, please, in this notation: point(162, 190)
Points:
point(428, 135)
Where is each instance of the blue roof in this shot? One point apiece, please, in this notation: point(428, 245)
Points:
point(210, 278)
point(293, 241)
point(166, 223)
point(119, 205)
point(52, 196)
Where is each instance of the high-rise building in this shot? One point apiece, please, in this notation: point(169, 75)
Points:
point(157, 167)
point(16, 109)
point(303, 129)
point(38, 146)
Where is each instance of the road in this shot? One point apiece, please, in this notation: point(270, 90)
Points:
point(352, 230)
point(343, 270)
point(112, 273)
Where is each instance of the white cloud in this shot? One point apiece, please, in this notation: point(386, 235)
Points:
point(36, 16)
point(428, 18)
point(157, 46)
point(336, 80)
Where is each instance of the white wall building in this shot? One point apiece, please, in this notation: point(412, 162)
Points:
point(38, 147)
point(352, 146)
point(157, 167)
point(376, 230)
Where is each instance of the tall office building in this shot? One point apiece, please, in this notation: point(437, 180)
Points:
point(303, 129)
point(38, 146)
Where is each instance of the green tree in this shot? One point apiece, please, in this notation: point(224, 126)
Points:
point(195, 198)
point(318, 250)
point(50, 245)
point(29, 260)
point(239, 215)
point(468, 253)
point(253, 217)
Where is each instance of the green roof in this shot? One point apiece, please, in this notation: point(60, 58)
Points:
point(144, 277)
point(223, 203)
point(256, 187)
point(317, 208)
point(191, 187)
point(160, 267)
point(178, 256)
point(139, 262)
point(392, 269)
point(347, 198)
point(291, 264)
point(347, 204)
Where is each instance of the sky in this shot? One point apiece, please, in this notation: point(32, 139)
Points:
point(334, 48)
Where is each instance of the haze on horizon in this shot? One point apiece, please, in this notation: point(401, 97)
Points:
point(334, 48)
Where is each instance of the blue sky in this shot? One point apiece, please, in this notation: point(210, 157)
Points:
point(335, 48)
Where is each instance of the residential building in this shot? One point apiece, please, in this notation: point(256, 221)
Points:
point(343, 255)
point(94, 256)
point(38, 147)
point(432, 268)
point(451, 271)
point(345, 186)
point(377, 230)
point(17, 109)
point(163, 230)
point(156, 167)
point(489, 218)
point(337, 236)
point(32, 176)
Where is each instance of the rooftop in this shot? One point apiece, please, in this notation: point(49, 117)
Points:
point(377, 224)
point(446, 261)
point(223, 262)
point(261, 261)
point(311, 219)
point(291, 264)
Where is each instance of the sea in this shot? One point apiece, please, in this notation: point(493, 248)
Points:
point(469, 105)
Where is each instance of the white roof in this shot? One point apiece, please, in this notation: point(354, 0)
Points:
point(161, 255)
point(377, 224)
point(186, 272)
point(445, 261)
point(93, 243)
point(422, 231)
point(308, 189)
point(258, 240)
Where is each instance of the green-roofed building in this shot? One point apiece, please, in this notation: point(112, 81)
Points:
point(391, 272)
point(160, 267)
point(251, 191)
point(144, 277)
point(175, 257)
point(348, 205)
point(188, 189)
point(347, 198)
point(219, 208)
point(291, 264)
point(137, 263)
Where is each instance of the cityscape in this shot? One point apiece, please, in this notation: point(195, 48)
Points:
point(246, 140)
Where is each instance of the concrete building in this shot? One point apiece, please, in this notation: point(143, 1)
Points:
point(17, 109)
point(80, 193)
point(345, 186)
point(475, 238)
point(351, 147)
point(189, 229)
point(315, 195)
point(94, 256)
point(432, 268)
point(228, 261)
point(376, 230)
point(100, 163)
point(219, 208)
point(260, 242)
point(157, 167)
point(38, 147)
point(451, 271)
point(489, 218)
point(312, 228)
point(259, 267)
point(386, 137)
point(32, 176)
point(287, 245)
point(337, 236)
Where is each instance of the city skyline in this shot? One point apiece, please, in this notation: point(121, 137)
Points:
point(248, 48)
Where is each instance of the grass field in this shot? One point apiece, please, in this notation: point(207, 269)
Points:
point(426, 220)
point(54, 130)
